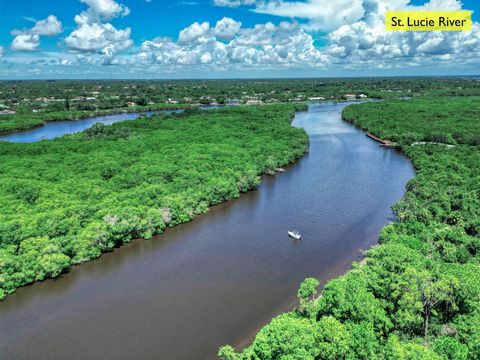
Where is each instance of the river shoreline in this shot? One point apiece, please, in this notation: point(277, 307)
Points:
point(342, 269)
point(95, 114)
point(144, 110)
point(236, 262)
point(156, 235)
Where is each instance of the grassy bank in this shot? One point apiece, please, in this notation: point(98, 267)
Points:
point(65, 201)
point(417, 294)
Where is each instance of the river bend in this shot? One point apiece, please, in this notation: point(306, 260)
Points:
point(219, 278)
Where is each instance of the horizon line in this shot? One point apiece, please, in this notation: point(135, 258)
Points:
point(242, 78)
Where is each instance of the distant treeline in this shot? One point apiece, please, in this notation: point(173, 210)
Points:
point(417, 294)
point(38, 101)
point(65, 201)
point(115, 93)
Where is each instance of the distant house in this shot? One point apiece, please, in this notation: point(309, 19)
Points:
point(362, 96)
point(52, 99)
point(131, 104)
point(7, 112)
point(254, 102)
point(233, 102)
point(350, 96)
point(171, 101)
point(83, 98)
point(316, 98)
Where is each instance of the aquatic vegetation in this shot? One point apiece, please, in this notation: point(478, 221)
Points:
point(417, 294)
point(65, 201)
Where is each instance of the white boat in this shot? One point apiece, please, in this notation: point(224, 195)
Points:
point(295, 234)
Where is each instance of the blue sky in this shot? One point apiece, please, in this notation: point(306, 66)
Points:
point(279, 38)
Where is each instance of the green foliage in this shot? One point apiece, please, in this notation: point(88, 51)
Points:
point(25, 119)
point(101, 131)
point(227, 352)
point(395, 349)
point(450, 348)
point(67, 200)
point(442, 120)
point(349, 299)
point(417, 294)
point(333, 340)
point(306, 293)
point(60, 100)
point(287, 337)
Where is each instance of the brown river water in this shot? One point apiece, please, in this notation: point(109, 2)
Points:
point(219, 278)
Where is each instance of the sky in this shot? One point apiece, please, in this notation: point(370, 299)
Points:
point(119, 39)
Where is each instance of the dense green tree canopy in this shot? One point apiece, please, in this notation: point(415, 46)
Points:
point(67, 200)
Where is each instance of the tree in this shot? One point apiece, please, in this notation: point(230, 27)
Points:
point(348, 299)
point(288, 336)
point(450, 348)
point(306, 293)
point(430, 290)
point(407, 350)
point(67, 103)
point(332, 340)
point(227, 352)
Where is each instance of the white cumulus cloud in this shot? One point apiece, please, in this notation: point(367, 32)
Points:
point(356, 32)
point(324, 15)
point(367, 43)
point(329, 15)
point(101, 10)
point(50, 26)
point(356, 39)
point(94, 35)
point(228, 44)
point(195, 33)
point(234, 3)
point(26, 42)
point(227, 28)
point(29, 39)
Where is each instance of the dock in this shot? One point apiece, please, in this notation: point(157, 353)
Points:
point(386, 143)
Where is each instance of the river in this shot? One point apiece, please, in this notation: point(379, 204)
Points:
point(53, 129)
point(219, 278)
